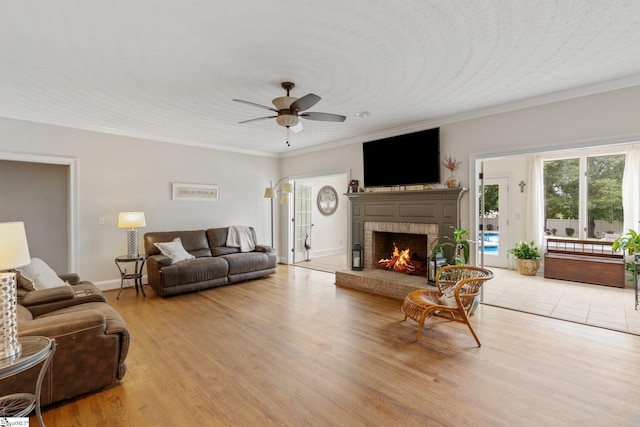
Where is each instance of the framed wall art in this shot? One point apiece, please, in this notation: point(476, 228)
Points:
point(195, 192)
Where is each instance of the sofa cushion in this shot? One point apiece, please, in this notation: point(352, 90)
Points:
point(38, 275)
point(194, 242)
point(194, 270)
point(174, 250)
point(247, 262)
point(224, 250)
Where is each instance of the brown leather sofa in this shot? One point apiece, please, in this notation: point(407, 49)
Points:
point(92, 340)
point(215, 264)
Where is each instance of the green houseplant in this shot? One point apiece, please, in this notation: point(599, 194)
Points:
point(459, 243)
point(527, 258)
point(629, 243)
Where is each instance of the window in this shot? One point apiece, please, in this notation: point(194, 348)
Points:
point(583, 196)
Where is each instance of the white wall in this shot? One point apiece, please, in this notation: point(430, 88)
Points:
point(120, 174)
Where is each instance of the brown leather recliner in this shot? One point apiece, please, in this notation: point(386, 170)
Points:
point(92, 341)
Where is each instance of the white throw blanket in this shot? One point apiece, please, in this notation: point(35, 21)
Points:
point(240, 237)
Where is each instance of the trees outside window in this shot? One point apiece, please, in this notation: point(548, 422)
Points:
point(583, 196)
point(604, 194)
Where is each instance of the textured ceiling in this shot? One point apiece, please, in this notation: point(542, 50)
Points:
point(169, 69)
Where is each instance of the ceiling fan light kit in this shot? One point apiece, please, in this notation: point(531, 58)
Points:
point(289, 109)
point(287, 120)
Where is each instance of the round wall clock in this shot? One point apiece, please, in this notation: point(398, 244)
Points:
point(327, 200)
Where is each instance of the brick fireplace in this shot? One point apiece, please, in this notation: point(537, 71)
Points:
point(429, 214)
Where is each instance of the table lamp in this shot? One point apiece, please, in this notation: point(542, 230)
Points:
point(14, 252)
point(132, 220)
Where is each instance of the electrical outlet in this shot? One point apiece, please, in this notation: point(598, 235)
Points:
point(100, 220)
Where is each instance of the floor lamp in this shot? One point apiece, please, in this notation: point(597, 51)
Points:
point(14, 252)
point(271, 192)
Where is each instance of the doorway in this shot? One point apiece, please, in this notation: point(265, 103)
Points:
point(47, 203)
point(316, 233)
point(493, 222)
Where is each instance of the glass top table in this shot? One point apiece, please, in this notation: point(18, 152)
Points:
point(34, 351)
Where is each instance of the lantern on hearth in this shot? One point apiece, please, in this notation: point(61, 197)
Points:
point(356, 257)
point(436, 261)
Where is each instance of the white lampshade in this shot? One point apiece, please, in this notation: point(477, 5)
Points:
point(284, 199)
point(131, 220)
point(270, 193)
point(14, 250)
point(287, 187)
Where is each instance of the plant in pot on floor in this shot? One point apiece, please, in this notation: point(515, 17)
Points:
point(628, 243)
point(527, 258)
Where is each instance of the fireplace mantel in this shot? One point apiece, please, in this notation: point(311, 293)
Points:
point(437, 206)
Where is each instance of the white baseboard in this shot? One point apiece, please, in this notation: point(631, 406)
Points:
point(110, 285)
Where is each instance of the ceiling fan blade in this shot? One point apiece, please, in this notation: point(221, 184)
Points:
point(305, 102)
point(297, 128)
point(256, 105)
point(259, 118)
point(323, 117)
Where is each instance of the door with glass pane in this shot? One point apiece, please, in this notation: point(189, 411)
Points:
point(494, 223)
point(302, 222)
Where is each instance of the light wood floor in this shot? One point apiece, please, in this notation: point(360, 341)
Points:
point(295, 350)
point(595, 305)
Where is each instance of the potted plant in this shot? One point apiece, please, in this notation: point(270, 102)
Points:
point(527, 258)
point(452, 165)
point(459, 243)
point(629, 243)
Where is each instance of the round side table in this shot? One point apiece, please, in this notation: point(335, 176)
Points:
point(34, 351)
point(136, 274)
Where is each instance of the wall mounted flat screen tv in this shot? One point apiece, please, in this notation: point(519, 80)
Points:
point(408, 159)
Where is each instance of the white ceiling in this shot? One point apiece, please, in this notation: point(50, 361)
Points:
point(168, 69)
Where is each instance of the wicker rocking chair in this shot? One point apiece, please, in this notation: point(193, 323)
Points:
point(458, 286)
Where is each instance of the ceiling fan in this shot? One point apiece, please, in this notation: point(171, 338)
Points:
point(289, 110)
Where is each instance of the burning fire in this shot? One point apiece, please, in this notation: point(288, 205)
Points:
point(399, 261)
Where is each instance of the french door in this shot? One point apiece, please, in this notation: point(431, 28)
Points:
point(493, 229)
point(302, 222)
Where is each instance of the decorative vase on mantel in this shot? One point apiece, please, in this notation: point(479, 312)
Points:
point(452, 181)
point(527, 267)
point(452, 165)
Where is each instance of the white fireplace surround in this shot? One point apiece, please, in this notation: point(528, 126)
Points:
point(430, 230)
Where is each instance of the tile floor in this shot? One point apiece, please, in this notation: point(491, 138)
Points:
point(602, 306)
